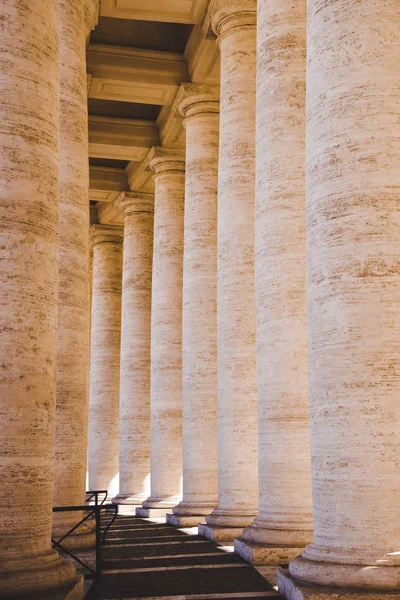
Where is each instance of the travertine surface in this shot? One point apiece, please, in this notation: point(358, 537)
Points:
point(105, 359)
point(353, 186)
point(29, 115)
point(166, 331)
point(73, 297)
point(284, 524)
point(134, 419)
point(199, 336)
point(292, 590)
point(234, 24)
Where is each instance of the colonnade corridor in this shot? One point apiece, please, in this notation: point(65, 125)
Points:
point(144, 559)
point(200, 298)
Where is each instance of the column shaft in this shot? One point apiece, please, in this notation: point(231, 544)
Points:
point(134, 451)
point(29, 113)
point(73, 298)
point(105, 359)
point(284, 525)
point(353, 225)
point(199, 335)
point(166, 334)
point(237, 400)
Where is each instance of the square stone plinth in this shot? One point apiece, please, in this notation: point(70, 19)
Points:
point(152, 513)
point(219, 534)
point(76, 591)
point(292, 590)
point(264, 554)
point(128, 510)
point(183, 520)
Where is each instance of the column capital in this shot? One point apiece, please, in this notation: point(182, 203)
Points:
point(106, 234)
point(134, 202)
point(231, 16)
point(166, 160)
point(200, 100)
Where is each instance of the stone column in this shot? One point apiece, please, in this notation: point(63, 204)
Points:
point(73, 297)
point(353, 252)
point(104, 362)
point(284, 525)
point(235, 26)
point(134, 420)
point(199, 336)
point(29, 113)
point(166, 334)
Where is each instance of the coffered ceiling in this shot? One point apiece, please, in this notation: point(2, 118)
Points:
point(141, 58)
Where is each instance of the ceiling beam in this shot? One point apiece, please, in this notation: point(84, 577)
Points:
point(121, 139)
point(175, 11)
point(135, 75)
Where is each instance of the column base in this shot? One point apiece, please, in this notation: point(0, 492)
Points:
point(291, 589)
point(155, 507)
point(224, 525)
point(189, 514)
point(152, 513)
point(183, 520)
point(370, 575)
point(219, 534)
point(84, 537)
point(43, 574)
point(128, 503)
point(75, 591)
point(265, 554)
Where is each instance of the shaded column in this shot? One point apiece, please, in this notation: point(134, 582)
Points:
point(235, 26)
point(73, 298)
point(134, 427)
point(105, 359)
point(166, 334)
point(284, 525)
point(29, 113)
point(353, 253)
point(199, 328)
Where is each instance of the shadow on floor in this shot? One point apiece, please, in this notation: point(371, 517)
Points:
point(144, 560)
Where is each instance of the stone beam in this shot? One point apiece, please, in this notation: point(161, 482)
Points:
point(202, 52)
point(190, 11)
point(135, 75)
point(121, 139)
point(106, 183)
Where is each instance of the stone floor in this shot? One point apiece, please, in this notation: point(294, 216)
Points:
point(146, 560)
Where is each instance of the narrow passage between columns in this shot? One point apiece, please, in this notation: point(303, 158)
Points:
point(145, 560)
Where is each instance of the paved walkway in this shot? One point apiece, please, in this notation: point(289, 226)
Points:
point(145, 560)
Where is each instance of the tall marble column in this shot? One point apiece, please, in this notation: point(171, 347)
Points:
point(353, 252)
point(199, 327)
point(235, 25)
point(72, 403)
point(29, 113)
point(105, 358)
point(284, 525)
point(134, 418)
point(166, 334)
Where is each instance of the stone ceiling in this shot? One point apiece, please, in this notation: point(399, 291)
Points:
point(141, 59)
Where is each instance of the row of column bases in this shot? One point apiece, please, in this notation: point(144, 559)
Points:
point(272, 293)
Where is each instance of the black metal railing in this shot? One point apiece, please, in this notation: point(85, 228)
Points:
point(92, 510)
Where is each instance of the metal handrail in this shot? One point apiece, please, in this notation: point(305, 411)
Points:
point(92, 510)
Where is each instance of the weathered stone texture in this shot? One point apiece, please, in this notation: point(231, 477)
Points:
point(166, 330)
point(285, 504)
point(105, 358)
point(73, 297)
point(134, 431)
point(199, 350)
point(237, 400)
point(353, 186)
point(29, 115)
